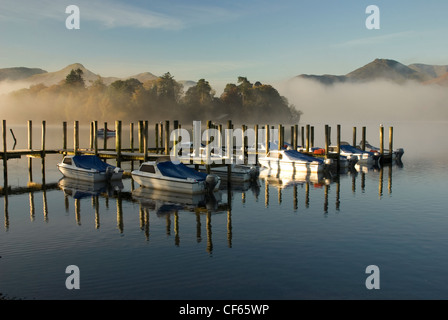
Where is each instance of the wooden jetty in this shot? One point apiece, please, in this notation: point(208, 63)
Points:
point(163, 142)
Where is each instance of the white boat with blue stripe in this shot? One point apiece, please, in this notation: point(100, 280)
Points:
point(88, 168)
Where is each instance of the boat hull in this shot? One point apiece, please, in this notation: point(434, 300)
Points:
point(292, 166)
point(168, 184)
point(91, 175)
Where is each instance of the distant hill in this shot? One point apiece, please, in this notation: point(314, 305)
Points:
point(19, 73)
point(441, 80)
point(383, 69)
point(31, 76)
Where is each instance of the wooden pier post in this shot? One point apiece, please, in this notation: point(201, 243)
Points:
point(30, 134)
point(118, 139)
point(76, 137)
point(95, 137)
point(354, 136)
point(267, 138)
point(381, 139)
point(105, 136)
point(145, 140)
point(339, 145)
point(280, 137)
point(140, 136)
point(296, 132)
point(91, 134)
point(391, 138)
point(131, 136)
point(363, 144)
point(64, 135)
point(43, 137)
point(327, 139)
point(302, 136)
point(307, 138)
point(256, 143)
point(156, 133)
point(312, 137)
point(167, 137)
point(176, 136)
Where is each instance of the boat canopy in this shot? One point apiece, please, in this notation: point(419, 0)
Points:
point(91, 162)
point(351, 149)
point(296, 155)
point(180, 171)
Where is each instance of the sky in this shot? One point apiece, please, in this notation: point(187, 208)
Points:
point(267, 41)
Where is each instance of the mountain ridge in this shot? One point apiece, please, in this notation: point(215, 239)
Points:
point(383, 69)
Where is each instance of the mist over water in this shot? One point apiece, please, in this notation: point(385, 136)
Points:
point(418, 113)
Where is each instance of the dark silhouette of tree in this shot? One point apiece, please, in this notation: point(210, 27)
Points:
point(74, 79)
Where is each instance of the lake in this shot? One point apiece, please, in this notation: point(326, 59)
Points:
point(272, 239)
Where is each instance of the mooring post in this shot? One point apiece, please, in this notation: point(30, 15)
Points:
point(296, 136)
point(167, 137)
point(307, 138)
point(175, 142)
point(363, 144)
point(256, 143)
point(207, 146)
point(30, 134)
point(140, 136)
point(64, 135)
point(391, 138)
point(354, 136)
point(229, 143)
point(118, 139)
point(312, 137)
point(91, 134)
point(95, 137)
point(131, 136)
point(280, 137)
point(44, 129)
point(327, 139)
point(381, 139)
point(105, 136)
point(267, 139)
point(339, 144)
point(5, 163)
point(156, 133)
point(145, 140)
point(302, 135)
point(76, 137)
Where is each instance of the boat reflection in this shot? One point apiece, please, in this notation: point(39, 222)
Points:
point(163, 202)
point(79, 189)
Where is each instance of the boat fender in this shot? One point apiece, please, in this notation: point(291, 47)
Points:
point(328, 161)
point(211, 181)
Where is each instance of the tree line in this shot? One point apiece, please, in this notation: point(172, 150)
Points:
point(156, 100)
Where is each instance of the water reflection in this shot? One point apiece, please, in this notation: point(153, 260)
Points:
point(170, 205)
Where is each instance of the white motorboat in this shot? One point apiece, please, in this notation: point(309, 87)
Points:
point(364, 157)
point(291, 160)
point(164, 174)
point(397, 154)
point(88, 168)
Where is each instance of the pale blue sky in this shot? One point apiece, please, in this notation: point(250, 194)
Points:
point(266, 41)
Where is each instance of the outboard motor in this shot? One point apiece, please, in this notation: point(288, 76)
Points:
point(212, 181)
point(109, 172)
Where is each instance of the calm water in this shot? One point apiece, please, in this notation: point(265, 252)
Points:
point(270, 239)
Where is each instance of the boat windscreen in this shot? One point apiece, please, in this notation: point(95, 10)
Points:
point(90, 162)
point(180, 171)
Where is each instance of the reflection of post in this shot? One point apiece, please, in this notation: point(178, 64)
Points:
point(229, 228)
point(32, 209)
point(176, 229)
point(338, 193)
point(147, 224)
point(326, 199)
point(307, 194)
point(389, 184)
point(295, 197)
point(198, 227)
point(266, 193)
point(97, 212)
point(78, 211)
point(279, 195)
point(363, 181)
point(119, 213)
point(209, 232)
point(380, 184)
point(45, 205)
point(168, 224)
